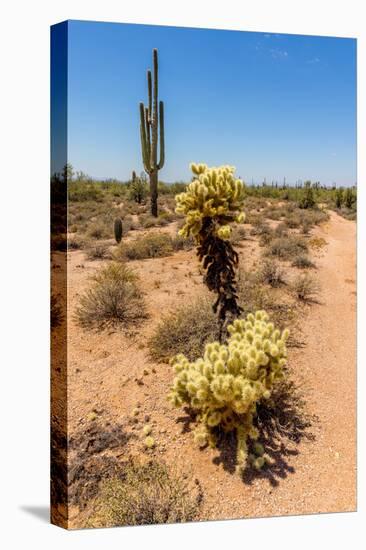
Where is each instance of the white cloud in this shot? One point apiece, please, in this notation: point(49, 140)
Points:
point(278, 54)
point(313, 60)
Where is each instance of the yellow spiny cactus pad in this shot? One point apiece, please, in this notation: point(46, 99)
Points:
point(225, 385)
point(214, 193)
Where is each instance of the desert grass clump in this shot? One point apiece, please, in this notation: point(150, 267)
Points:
point(75, 243)
point(224, 386)
point(145, 494)
point(180, 243)
point(153, 245)
point(113, 298)
point(293, 221)
point(303, 262)
point(281, 230)
point(238, 234)
point(186, 330)
point(306, 287)
point(286, 248)
point(97, 252)
point(98, 231)
point(272, 274)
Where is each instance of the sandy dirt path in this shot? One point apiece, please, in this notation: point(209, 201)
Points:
point(324, 472)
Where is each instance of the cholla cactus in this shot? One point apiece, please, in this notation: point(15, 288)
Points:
point(225, 385)
point(214, 194)
point(213, 201)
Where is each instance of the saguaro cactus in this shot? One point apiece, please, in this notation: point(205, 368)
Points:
point(152, 117)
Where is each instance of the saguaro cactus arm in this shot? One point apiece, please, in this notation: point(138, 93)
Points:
point(152, 128)
point(162, 144)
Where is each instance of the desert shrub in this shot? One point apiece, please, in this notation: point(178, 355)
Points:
point(266, 237)
point(338, 198)
point(98, 252)
point(305, 287)
point(186, 330)
point(113, 298)
point(98, 231)
point(138, 189)
point(314, 216)
point(75, 243)
point(238, 234)
point(349, 198)
point(293, 221)
point(271, 273)
point(224, 386)
point(307, 199)
point(302, 262)
point(154, 245)
point(305, 227)
point(254, 295)
point(181, 243)
point(253, 219)
point(166, 217)
point(84, 191)
point(286, 248)
point(145, 494)
point(261, 228)
point(273, 213)
point(146, 221)
point(281, 230)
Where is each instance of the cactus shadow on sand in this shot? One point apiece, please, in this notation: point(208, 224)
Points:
point(283, 425)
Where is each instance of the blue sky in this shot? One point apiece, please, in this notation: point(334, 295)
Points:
point(273, 105)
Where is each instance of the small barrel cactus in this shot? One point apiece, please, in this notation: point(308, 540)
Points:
point(225, 385)
point(118, 229)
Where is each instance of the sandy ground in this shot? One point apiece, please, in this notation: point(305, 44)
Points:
point(110, 373)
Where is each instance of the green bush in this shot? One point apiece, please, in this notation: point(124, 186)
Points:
point(308, 198)
point(146, 494)
point(113, 298)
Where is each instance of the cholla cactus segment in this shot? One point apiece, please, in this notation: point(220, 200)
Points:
point(214, 193)
point(224, 386)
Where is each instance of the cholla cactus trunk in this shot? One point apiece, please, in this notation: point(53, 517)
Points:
point(151, 123)
point(220, 261)
point(211, 203)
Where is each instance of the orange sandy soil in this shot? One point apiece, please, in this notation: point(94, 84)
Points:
point(314, 476)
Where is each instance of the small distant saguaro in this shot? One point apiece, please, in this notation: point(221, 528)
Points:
point(152, 131)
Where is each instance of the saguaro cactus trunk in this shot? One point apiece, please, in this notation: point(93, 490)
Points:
point(152, 119)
